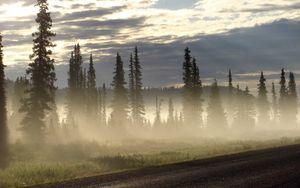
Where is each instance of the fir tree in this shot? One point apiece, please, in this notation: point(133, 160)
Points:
point(139, 106)
point(91, 91)
point(283, 107)
point(42, 77)
point(216, 119)
point(3, 117)
point(192, 91)
point(187, 80)
point(262, 101)
point(232, 97)
point(120, 100)
point(76, 87)
point(132, 88)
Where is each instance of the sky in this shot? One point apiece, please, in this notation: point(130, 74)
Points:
point(245, 35)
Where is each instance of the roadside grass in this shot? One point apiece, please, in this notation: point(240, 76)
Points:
point(67, 162)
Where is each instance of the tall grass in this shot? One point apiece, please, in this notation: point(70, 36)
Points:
point(59, 163)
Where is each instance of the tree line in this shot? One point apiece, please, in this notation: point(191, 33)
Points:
point(87, 103)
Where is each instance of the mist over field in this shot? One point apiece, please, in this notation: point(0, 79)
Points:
point(108, 120)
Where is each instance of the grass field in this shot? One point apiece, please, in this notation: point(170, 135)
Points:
point(57, 163)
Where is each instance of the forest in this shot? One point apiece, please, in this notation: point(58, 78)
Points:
point(124, 124)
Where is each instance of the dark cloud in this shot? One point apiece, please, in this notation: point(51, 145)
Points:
point(269, 8)
point(266, 47)
point(116, 23)
point(90, 14)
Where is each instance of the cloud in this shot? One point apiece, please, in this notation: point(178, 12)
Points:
point(90, 14)
point(239, 34)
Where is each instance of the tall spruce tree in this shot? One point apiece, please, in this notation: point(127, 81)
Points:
point(76, 87)
point(187, 81)
point(92, 102)
point(262, 101)
point(42, 78)
point(3, 117)
point(192, 91)
point(132, 97)
point(292, 100)
point(216, 118)
point(231, 104)
point(119, 115)
point(283, 107)
point(138, 107)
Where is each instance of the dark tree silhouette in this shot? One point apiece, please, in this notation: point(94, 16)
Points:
point(131, 77)
point(92, 104)
point(232, 96)
point(282, 103)
point(136, 88)
point(187, 80)
point(230, 86)
point(119, 115)
point(216, 119)
point(262, 101)
point(76, 87)
point(3, 117)
point(42, 77)
point(192, 90)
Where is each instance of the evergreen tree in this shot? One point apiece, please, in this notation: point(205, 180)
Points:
point(3, 117)
point(283, 107)
point(231, 104)
point(187, 80)
point(192, 91)
point(216, 119)
point(138, 109)
point(76, 87)
point(132, 88)
point(274, 103)
point(91, 91)
point(292, 100)
point(42, 77)
point(120, 100)
point(262, 101)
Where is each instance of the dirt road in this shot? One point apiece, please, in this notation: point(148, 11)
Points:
point(278, 167)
